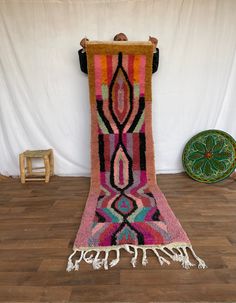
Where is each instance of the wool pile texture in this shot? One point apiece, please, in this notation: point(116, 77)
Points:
point(125, 208)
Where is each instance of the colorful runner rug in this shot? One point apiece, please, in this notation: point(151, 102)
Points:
point(125, 208)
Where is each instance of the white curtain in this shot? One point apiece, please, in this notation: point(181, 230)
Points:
point(44, 95)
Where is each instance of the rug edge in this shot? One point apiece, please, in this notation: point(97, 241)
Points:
point(176, 252)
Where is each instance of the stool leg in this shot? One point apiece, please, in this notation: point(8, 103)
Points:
point(47, 169)
point(29, 165)
point(51, 158)
point(22, 168)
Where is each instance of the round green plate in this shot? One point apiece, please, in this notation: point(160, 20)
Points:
point(210, 156)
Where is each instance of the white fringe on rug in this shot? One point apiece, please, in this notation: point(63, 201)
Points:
point(176, 252)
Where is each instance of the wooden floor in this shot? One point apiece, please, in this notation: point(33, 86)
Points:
point(38, 224)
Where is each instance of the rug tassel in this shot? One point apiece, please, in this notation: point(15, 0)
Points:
point(127, 248)
point(105, 260)
point(176, 253)
point(172, 257)
point(144, 259)
point(134, 259)
point(97, 263)
point(180, 256)
point(201, 263)
point(70, 265)
point(78, 261)
point(115, 261)
point(186, 262)
point(161, 259)
point(89, 259)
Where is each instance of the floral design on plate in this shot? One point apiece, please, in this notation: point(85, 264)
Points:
point(210, 156)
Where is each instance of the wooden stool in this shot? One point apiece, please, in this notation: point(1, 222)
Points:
point(27, 173)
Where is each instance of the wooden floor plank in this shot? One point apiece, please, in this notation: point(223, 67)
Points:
point(156, 293)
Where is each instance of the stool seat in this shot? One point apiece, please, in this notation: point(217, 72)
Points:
point(27, 172)
point(37, 153)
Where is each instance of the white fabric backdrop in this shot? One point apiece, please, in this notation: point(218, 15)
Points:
point(44, 95)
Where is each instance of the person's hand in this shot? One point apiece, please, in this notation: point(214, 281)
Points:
point(154, 42)
point(83, 43)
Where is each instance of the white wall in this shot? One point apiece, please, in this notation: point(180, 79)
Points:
point(44, 95)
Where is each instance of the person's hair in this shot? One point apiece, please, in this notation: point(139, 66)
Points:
point(81, 43)
point(117, 35)
point(153, 39)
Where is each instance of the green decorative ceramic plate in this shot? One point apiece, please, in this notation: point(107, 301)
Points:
point(210, 156)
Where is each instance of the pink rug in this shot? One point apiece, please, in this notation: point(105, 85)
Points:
point(125, 208)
